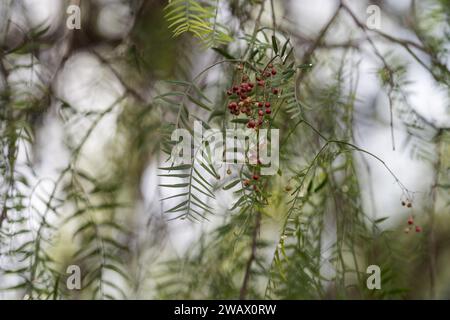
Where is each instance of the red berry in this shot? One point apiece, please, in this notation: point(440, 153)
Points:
point(255, 177)
point(274, 71)
point(260, 112)
point(235, 88)
point(243, 97)
point(270, 65)
point(251, 124)
point(261, 83)
point(232, 105)
point(410, 221)
point(418, 229)
point(268, 111)
point(229, 92)
point(251, 85)
point(275, 91)
point(267, 104)
point(260, 104)
point(267, 74)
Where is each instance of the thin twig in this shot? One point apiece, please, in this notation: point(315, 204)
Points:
point(244, 288)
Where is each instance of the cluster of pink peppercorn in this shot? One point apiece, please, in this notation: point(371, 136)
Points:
point(251, 101)
point(410, 219)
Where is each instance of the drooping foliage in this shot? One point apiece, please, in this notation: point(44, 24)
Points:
point(303, 232)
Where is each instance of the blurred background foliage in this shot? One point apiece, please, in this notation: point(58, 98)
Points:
point(86, 115)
